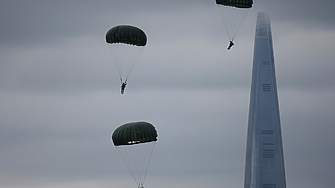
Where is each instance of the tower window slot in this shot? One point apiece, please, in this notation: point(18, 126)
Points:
point(267, 131)
point(268, 153)
point(266, 87)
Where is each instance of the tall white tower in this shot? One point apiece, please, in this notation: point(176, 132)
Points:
point(264, 167)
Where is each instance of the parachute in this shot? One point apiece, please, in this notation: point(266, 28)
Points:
point(126, 44)
point(233, 13)
point(135, 142)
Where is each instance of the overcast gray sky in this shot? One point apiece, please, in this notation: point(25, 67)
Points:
point(60, 98)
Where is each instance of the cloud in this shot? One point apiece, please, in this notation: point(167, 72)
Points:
point(303, 13)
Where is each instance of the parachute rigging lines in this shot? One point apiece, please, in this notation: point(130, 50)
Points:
point(135, 143)
point(125, 57)
point(233, 14)
point(137, 158)
point(126, 44)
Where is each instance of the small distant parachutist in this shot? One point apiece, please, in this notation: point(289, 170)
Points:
point(123, 86)
point(125, 43)
point(231, 44)
point(233, 13)
point(135, 142)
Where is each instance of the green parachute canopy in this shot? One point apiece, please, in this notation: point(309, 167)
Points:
point(134, 133)
point(126, 34)
point(236, 3)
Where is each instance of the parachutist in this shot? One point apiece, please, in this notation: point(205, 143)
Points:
point(231, 44)
point(135, 142)
point(123, 87)
point(125, 43)
point(233, 13)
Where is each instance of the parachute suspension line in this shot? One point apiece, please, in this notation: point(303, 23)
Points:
point(127, 159)
point(145, 159)
point(114, 50)
point(232, 18)
point(138, 50)
point(225, 21)
point(137, 158)
point(125, 57)
point(242, 17)
point(149, 151)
